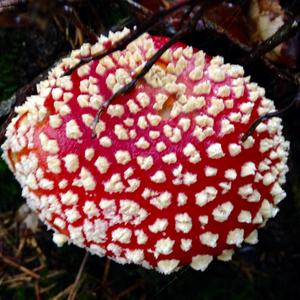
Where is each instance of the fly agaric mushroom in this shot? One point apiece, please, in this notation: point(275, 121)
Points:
point(167, 182)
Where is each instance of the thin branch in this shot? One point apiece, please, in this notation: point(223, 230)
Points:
point(175, 277)
point(282, 34)
point(19, 98)
point(73, 291)
point(187, 13)
point(23, 269)
point(106, 271)
point(281, 73)
point(126, 22)
point(128, 87)
point(74, 18)
point(189, 27)
point(129, 290)
point(121, 45)
point(141, 8)
point(63, 293)
point(37, 291)
point(267, 116)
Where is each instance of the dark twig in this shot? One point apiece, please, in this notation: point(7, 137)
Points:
point(74, 18)
point(282, 34)
point(30, 88)
point(19, 98)
point(61, 294)
point(188, 12)
point(37, 291)
point(282, 73)
point(129, 290)
point(176, 277)
point(121, 45)
point(142, 9)
point(189, 27)
point(106, 271)
point(23, 269)
point(128, 87)
point(73, 291)
point(277, 113)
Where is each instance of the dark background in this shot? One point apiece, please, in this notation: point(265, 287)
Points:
point(32, 38)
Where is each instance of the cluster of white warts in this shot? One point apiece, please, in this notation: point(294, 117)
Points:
point(149, 133)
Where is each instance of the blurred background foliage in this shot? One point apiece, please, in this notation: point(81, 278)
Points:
point(32, 38)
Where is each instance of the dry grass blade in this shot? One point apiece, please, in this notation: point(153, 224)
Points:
point(16, 280)
point(23, 269)
point(74, 288)
point(37, 290)
point(129, 290)
point(71, 14)
point(61, 294)
point(48, 288)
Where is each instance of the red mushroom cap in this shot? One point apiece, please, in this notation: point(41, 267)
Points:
point(167, 182)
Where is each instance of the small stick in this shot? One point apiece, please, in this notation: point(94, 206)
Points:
point(281, 35)
point(267, 116)
point(37, 291)
point(11, 263)
point(281, 73)
point(176, 277)
point(73, 291)
point(106, 271)
point(19, 98)
point(47, 288)
point(18, 279)
point(188, 12)
point(144, 10)
point(128, 290)
point(62, 293)
point(74, 18)
point(121, 45)
point(128, 87)
point(20, 246)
